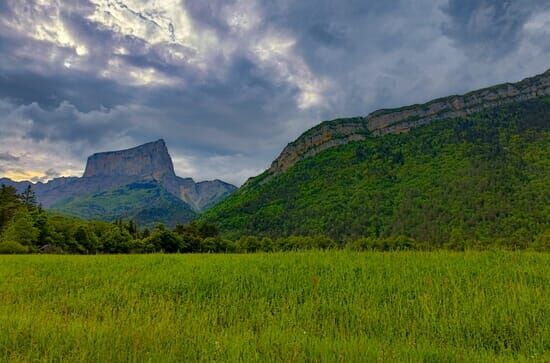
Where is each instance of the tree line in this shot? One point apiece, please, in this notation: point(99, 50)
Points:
point(25, 227)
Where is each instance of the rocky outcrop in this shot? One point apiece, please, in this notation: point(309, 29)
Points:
point(323, 136)
point(153, 162)
point(341, 131)
point(203, 195)
point(148, 160)
point(104, 171)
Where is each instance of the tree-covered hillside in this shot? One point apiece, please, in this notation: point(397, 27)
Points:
point(147, 203)
point(473, 180)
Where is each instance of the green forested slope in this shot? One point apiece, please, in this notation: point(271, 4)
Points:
point(469, 180)
point(147, 203)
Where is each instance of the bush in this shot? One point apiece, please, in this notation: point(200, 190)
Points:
point(362, 244)
point(12, 248)
point(164, 240)
point(400, 243)
point(394, 243)
point(248, 244)
point(21, 229)
point(542, 242)
point(266, 245)
point(216, 244)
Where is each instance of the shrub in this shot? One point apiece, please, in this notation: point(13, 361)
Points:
point(393, 243)
point(248, 244)
point(542, 242)
point(165, 240)
point(12, 248)
point(362, 244)
point(397, 243)
point(216, 244)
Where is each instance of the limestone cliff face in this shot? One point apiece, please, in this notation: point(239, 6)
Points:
point(113, 169)
point(203, 195)
point(323, 136)
point(148, 160)
point(337, 132)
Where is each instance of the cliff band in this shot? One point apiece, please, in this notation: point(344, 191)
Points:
point(386, 121)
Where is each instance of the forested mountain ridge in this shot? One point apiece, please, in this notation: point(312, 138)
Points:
point(475, 177)
point(329, 134)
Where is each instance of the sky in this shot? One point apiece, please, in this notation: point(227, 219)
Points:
point(227, 83)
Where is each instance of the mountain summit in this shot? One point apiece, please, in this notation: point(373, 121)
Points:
point(147, 160)
point(138, 183)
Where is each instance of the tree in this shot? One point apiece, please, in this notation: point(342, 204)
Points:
point(29, 198)
point(85, 239)
point(21, 229)
point(46, 232)
point(457, 240)
point(165, 240)
point(216, 244)
point(194, 233)
point(9, 204)
point(117, 240)
point(248, 244)
point(266, 244)
point(208, 230)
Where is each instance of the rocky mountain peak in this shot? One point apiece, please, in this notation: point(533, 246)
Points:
point(138, 183)
point(150, 160)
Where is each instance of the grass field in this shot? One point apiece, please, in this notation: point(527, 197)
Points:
point(310, 306)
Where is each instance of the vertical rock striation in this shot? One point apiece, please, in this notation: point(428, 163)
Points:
point(148, 160)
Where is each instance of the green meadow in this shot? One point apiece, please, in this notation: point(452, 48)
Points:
point(279, 307)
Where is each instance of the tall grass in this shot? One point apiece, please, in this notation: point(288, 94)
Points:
point(309, 306)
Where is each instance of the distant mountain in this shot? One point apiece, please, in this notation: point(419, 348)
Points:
point(464, 168)
point(115, 184)
point(150, 160)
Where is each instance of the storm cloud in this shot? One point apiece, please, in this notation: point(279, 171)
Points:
point(490, 28)
point(228, 84)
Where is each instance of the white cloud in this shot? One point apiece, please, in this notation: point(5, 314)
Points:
point(49, 29)
point(234, 169)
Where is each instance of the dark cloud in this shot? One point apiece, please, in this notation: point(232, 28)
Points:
point(210, 13)
point(229, 83)
point(330, 35)
point(49, 91)
point(66, 122)
point(48, 175)
point(51, 173)
point(489, 28)
point(6, 156)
